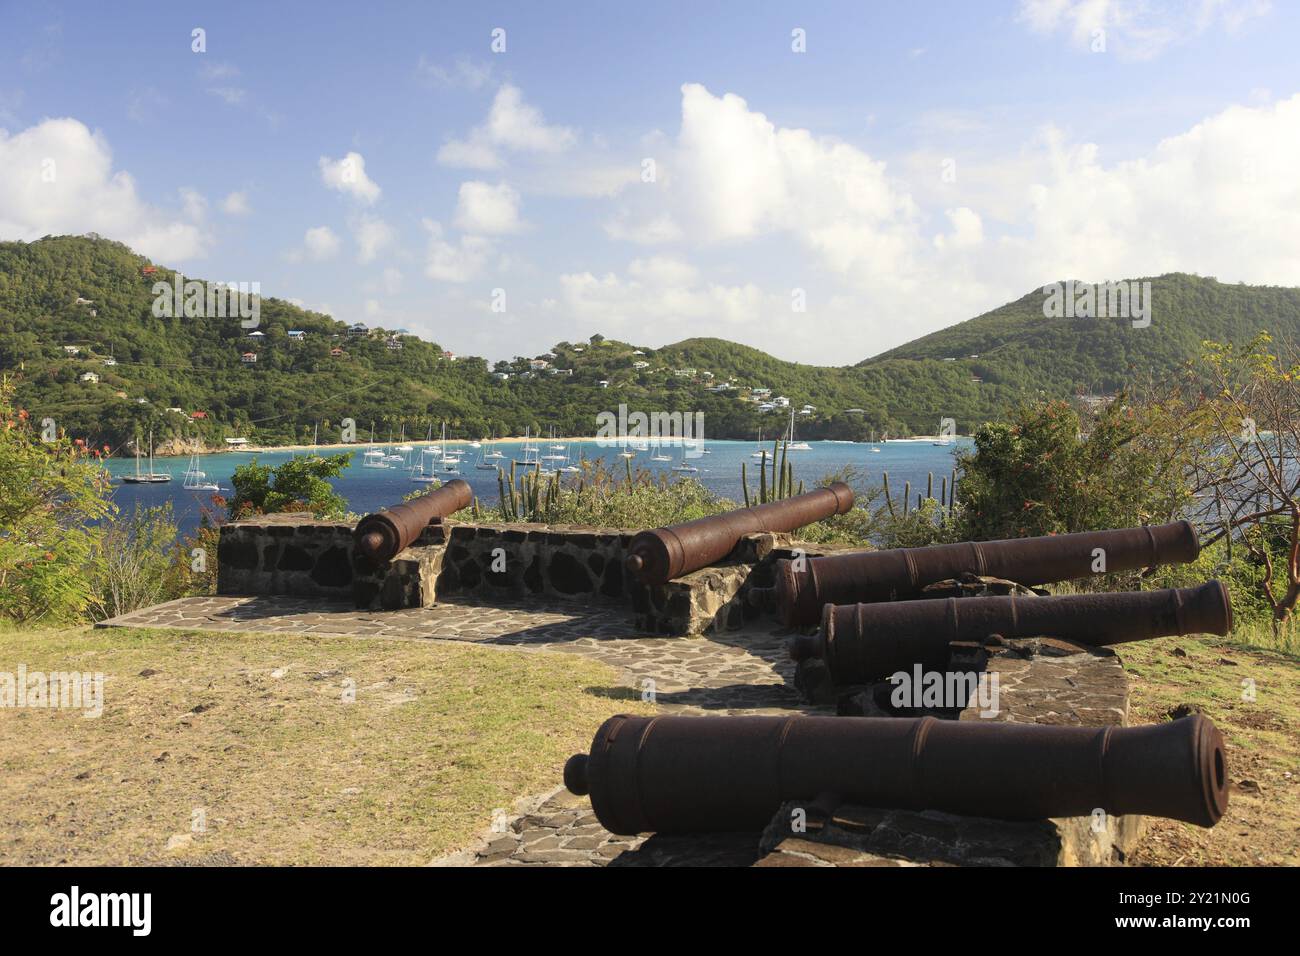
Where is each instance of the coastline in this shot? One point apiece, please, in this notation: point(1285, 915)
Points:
point(516, 440)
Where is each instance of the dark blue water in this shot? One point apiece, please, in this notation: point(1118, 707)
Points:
point(368, 489)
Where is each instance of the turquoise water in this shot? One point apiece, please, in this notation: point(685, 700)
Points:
point(368, 489)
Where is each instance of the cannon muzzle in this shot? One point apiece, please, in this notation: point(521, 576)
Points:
point(868, 642)
point(379, 537)
point(703, 774)
point(657, 556)
point(901, 574)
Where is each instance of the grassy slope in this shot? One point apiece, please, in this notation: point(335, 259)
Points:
point(195, 363)
point(254, 730)
point(1262, 825)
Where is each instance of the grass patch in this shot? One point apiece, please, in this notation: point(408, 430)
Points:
point(255, 733)
point(1219, 678)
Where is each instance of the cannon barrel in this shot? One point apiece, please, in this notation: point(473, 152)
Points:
point(381, 536)
point(901, 574)
point(700, 774)
point(867, 642)
point(659, 555)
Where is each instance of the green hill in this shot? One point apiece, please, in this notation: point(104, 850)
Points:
point(96, 296)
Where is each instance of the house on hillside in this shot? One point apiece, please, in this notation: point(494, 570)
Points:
point(72, 349)
point(501, 376)
point(297, 335)
point(538, 364)
point(337, 352)
point(393, 345)
point(148, 271)
point(198, 416)
point(249, 358)
point(640, 364)
point(256, 335)
point(357, 330)
point(110, 361)
point(178, 411)
point(91, 377)
point(449, 355)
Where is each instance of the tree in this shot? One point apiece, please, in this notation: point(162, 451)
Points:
point(296, 485)
point(51, 495)
point(1049, 471)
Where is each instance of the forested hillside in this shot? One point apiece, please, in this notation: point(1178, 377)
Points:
point(76, 308)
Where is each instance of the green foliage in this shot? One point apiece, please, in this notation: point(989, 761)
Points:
point(136, 563)
point(1044, 474)
point(194, 364)
point(597, 496)
point(51, 496)
point(296, 485)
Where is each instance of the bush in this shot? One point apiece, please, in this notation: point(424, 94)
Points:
point(51, 495)
point(296, 485)
point(135, 563)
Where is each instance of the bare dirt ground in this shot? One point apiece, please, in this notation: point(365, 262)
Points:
point(259, 749)
point(1253, 696)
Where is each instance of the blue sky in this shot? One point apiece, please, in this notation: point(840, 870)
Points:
point(917, 164)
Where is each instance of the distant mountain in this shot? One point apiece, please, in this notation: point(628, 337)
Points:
point(77, 309)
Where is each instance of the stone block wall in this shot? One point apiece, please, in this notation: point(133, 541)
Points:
point(300, 555)
point(295, 554)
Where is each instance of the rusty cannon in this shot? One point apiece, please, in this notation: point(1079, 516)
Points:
point(701, 774)
point(659, 555)
point(868, 642)
point(803, 589)
point(379, 537)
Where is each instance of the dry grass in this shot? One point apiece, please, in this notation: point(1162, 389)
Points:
point(254, 733)
point(1262, 825)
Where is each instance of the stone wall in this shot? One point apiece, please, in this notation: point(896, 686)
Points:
point(286, 554)
point(298, 555)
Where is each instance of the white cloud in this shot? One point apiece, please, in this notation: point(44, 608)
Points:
point(454, 262)
point(511, 124)
point(232, 95)
point(462, 74)
point(469, 154)
point(488, 210)
point(1137, 29)
point(236, 204)
point(373, 236)
point(59, 178)
point(348, 175)
point(660, 229)
point(194, 204)
point(321, 242)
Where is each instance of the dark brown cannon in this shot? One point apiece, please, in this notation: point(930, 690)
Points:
point(701, 774)
point(864, 577)
point(380, 536)
point(662, 554)
point(867, 642)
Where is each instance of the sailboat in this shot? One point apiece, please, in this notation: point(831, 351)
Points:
point(527, 449)
point(450, 462)
point(682, 468)
point(196, 480)
point(405, 447)
point(659, 454)
point(555, 450)
point(150, 477)
point(793, 445)
point(874, 447)
point(418, 471)
point(373, 458)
